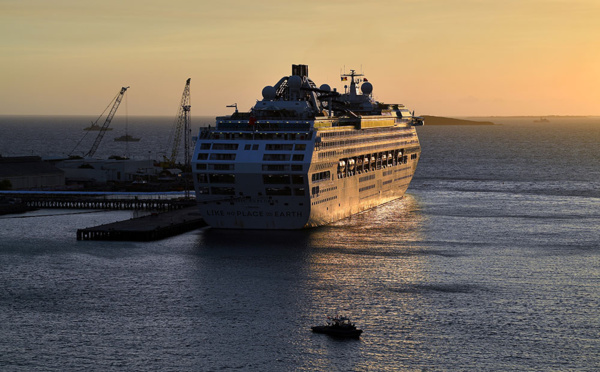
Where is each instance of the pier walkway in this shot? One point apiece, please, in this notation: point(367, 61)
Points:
point(100, 200)
point(154, 227)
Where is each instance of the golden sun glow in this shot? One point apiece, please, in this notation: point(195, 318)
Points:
point(441, 57)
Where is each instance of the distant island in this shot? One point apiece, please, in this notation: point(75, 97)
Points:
point(438, 120)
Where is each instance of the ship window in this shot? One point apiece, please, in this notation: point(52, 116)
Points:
point(278, 168)
point(201, 177)
point(202, 156)
point(222, 178)
point(297, 179)
point(222, 156)
point(298, 157)
point(205, 146)
point(222, 190)
point(279, 147)
point(296, 167)
point(254, 147)
point(247, 147)
point(315, 190)
point(202, 190)
point(222, 166)
point(200, 166)
point(276, 178)
point(276, 157)
point(299, 192)
point(321, 176)
point(278, 191)
point(300, 147)
point(225, 146)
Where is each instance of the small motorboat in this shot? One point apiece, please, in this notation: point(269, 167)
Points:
point(339, 326)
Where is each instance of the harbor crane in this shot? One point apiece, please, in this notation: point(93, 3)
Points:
point(115, 105)
point(182, 125)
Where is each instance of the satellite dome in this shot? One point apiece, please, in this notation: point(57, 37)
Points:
point(325, 87)
point(269, 93)
point(366, 88)
point(294, 82)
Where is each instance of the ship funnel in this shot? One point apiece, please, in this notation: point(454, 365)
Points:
point(300, 70)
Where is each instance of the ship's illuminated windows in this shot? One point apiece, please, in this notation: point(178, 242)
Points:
point(202, 156)
point(222, 178)
point(298, 157)
point(285, 191)
point(202, 190)
point(222, 156)
point(254, 147)
point(300, 147)
point(276, 179)
point(200, 166)
point(247, 146)
point(299, 192)
point(205, 146)
point(225, 146)
point(222, 190)
point(298, 179)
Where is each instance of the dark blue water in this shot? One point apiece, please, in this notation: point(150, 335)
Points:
point(491, 262)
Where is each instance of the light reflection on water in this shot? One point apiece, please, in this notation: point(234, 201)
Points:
point(494, 268)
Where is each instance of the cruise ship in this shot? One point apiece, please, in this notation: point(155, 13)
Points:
point(304, 156)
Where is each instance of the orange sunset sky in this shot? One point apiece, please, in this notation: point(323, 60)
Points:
point(438, 57)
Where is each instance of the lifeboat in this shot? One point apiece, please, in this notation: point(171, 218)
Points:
point(351, 164)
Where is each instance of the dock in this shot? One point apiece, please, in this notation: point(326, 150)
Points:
point(99, 203)
point(159, 201)
point(153, 227)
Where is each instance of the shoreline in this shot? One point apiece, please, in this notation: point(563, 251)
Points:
point(440, 120)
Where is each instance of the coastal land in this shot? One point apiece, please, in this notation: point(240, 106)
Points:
point(439, 120)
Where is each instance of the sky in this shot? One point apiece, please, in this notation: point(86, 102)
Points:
point(438, 57)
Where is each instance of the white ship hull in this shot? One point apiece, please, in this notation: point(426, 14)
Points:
point(293, 173)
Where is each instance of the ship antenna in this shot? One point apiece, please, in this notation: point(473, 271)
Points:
point(234, 105)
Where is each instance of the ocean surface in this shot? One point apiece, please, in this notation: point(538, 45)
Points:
point(491, 262)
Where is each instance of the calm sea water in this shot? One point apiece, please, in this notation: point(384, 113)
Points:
point(490, 262)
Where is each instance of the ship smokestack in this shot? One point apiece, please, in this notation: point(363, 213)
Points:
point(300, 70)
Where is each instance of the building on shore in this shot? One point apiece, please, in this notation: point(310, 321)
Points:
point(101, 171)
point(29, 172)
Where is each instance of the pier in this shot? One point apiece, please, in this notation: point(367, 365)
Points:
point(153, 227)
point(114, 204)
point(113, 201)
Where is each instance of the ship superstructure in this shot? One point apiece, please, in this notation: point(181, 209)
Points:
point(304, 156)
